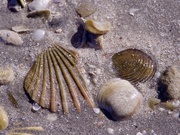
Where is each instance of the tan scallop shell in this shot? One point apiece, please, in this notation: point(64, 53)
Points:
point(97, 27)
point(53, 77)
point(134, 65)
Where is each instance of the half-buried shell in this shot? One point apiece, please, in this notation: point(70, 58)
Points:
point(134, 65)
point(53, 76)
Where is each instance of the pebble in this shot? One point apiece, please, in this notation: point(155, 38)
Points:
point(133, 10)
point(139, 133)
point(119, 98)
point(38, 5)
point(36, 107)
point(52, 117)
point(6, 75)
point(10, 37)
point(58, 31)
point(38, 34)
point(3, 118)
point(110, 131)
point(96, 110)
point(171, 78)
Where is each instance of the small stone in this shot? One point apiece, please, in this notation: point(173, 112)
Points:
point(133, 10)
point(38, 34)
point(10, 37)
point(36, 107)
point(96, 110)
point(58, 31)
point(110, 131)
point(6, 75)
point(3, 118)
point(52, 117)
point(139, 133)
point(171, 78)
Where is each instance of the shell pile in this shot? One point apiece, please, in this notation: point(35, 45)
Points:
point(134, 65)
point(53, 76)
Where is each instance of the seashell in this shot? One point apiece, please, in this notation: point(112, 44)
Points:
point(20, 29)
point(38, 5)
point(134, 65)
point(53, 76)
point(152, 102)
point(118, 99)
point(6, 75)
point(171, 80)
point(86, 8)
point(97, 27)
point(3, 118)
point(40, 13)
point(38, 34)
point(10, 37)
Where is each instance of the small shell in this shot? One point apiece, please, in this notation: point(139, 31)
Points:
point(134, 65)
point(97, 27)
point(152, 102)
point(3, 118)
point(6, 75)
point(20, 29)
point(53, 76)
point(118, 99)
point(40, 13)
point(10, 37)
point(38, 5)
point(86, 8)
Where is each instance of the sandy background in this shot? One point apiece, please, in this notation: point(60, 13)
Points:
point(154, 28)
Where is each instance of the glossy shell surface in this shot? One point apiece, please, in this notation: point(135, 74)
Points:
point(118, 99)
point(134, 65)
point(54, 79)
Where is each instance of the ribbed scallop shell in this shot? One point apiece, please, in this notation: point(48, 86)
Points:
point(53, 77)
point(134, 65)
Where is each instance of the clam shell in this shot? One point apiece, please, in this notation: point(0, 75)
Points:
point(86, 8)
point(53, 77)
point(97, 27)
point(118, 99)
point(134, 65)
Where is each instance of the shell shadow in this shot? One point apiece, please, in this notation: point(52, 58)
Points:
point(84, 39)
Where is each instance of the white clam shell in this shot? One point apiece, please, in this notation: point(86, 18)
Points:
point(119, 98)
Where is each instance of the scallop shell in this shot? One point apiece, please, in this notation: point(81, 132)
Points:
point(97, 27)
point(53, 76)
point(134, 65)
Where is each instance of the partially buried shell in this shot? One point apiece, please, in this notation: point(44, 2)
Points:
point(97, 27)
point(134, 65)
point(118, 99)
point(53, 76)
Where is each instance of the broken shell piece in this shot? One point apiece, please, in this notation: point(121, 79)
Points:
point(53, 77)
point(10, 37)
point(86, 8)
point(168, 105)
point(6, 75)
point(97, 27)
point(3, 118)
point(118, 99)
point(40, 13)
point(152, 102)
point(20, 29)
point(38, 5)
point(134, 65)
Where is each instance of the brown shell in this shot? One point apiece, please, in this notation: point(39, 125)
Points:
point(53, 76)
point(134, 65)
